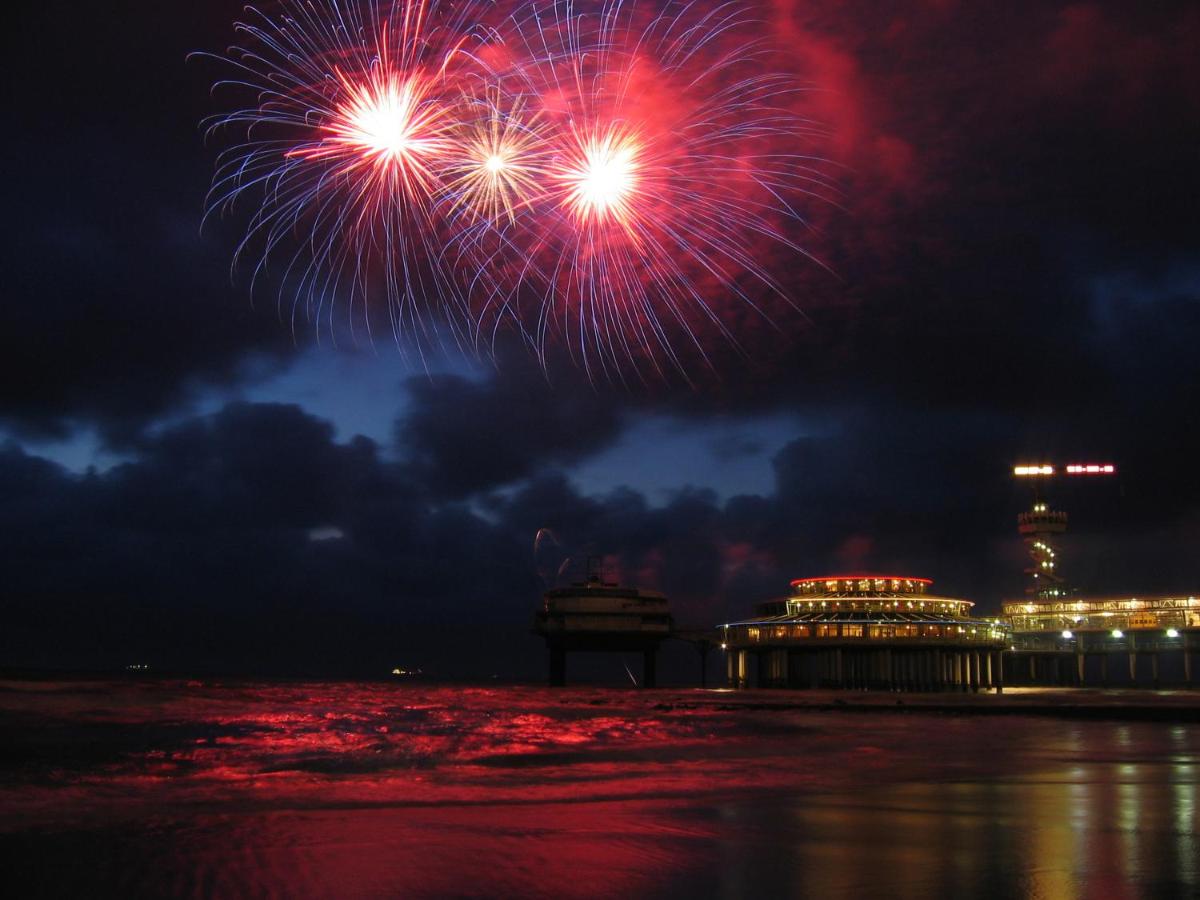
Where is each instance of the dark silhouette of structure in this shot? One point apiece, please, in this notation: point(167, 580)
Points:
point(602, 617)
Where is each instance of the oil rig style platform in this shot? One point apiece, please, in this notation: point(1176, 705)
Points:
point(595, 615)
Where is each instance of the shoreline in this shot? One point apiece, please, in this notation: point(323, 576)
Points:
point(1182, 705)
point(1179, 704)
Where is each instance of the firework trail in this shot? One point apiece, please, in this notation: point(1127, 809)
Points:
point(606, 176)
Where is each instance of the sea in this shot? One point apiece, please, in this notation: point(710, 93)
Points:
point(297, 789)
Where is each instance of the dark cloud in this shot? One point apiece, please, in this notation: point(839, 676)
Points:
point(733, 446)
point(115, 307)
point(201, 549)
point(1000, 160)
point(465, 436)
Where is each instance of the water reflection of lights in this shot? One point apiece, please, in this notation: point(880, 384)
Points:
point(417, 790)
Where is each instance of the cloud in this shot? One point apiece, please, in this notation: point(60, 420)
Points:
point(114, 307)
point(466, 436)
point(199, 550)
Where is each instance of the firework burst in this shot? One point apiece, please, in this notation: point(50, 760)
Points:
point(611, 177)
point(672, 186)
point(600, 178)
point(387, 127)
point(341, 154)
point(498, 165)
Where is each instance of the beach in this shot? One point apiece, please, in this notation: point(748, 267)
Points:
point(317, 789)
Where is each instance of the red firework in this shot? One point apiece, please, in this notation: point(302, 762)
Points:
point(609, 177)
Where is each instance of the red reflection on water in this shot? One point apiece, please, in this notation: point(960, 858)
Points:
point(346, 789)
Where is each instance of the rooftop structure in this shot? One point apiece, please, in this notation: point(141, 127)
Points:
point(867, 631)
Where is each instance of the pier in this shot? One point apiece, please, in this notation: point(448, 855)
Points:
point(597, 616)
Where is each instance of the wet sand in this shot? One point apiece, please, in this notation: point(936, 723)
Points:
point(340, 789)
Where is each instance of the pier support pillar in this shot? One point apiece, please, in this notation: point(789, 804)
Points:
point(649, 658)
point(1154, 669)
point(1081, 667)
point(1103, 670)
point(558, 667)
point(1133, 668)
point(999, 671)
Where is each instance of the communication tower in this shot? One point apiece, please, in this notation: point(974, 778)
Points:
point(1041, 526)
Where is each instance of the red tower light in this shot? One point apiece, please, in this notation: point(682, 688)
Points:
point(1091, 469)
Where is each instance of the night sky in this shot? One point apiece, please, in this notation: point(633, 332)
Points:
point(1013, 274)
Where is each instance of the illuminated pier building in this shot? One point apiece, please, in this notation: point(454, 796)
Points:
point(1060, 636)
point(865, 632)
point(602, 616)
